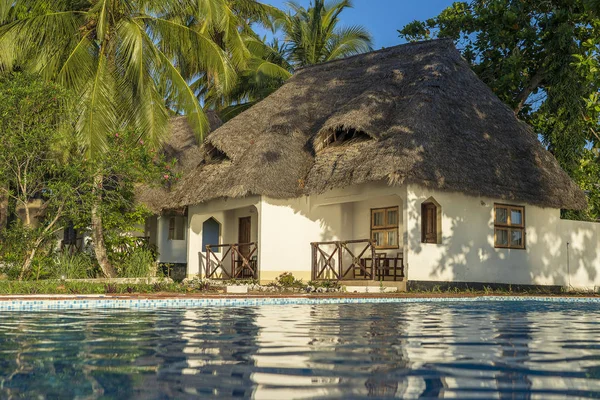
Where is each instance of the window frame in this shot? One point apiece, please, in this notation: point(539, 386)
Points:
point(509, 226)
point(172, 234)
point(386, 227)
point(424, 224)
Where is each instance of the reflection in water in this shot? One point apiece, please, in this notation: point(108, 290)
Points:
point(520, 350)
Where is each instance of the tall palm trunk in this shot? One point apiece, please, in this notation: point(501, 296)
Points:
point(98, 231)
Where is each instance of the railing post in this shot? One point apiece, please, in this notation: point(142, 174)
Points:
point(233, 264)
point(340, 258)
point(375, 262)
point(207, 266)
point(315, 260)
point(199, 266)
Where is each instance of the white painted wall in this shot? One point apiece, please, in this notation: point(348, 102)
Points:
point(170, 251)
point(287, 229)
point(467, 252)
point(289, 226)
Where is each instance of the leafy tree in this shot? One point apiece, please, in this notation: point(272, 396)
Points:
point(120, 58)
point(32, 162)
point(541, 58)
point(313, 35)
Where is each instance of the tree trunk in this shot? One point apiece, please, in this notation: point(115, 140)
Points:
point(28, 261)
point(533, 84)
point(98, 231)
point(49, 230)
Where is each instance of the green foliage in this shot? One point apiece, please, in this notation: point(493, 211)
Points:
point(313, 35)
point(129, 163)
point(120, 60)
point(139, 263)
point(15, 246)
point(326, 284)
point(266, 70)
point(81, 287)
point(39, 172)
point(541, 58)
point(287, 280)
point(234, 282)
point(73, 266)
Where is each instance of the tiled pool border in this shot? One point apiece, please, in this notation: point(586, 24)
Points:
point(141, 303)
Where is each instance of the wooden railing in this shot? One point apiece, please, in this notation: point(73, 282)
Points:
point(328, 261)
point(243, 263)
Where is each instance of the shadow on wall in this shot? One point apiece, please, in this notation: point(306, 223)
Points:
point(467, 251)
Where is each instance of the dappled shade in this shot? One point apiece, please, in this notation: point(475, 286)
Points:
point(429, 118)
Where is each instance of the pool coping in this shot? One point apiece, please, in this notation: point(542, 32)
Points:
point(140, 302)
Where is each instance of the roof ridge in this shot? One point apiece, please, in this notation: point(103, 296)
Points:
point(369, 53)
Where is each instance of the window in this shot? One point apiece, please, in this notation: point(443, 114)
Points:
point(429, 223)
point(69, 234)
point(509, 226)
point(213, 154)
point(177, 228)
point(211, 230)
point(384, 227)
point(341, 135)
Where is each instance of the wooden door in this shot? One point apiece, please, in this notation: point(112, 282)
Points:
point(245, 235)
point(429, 223)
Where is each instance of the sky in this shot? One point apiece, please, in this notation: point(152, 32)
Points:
point(383, 18)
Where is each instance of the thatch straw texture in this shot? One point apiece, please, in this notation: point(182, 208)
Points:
point(422, 116)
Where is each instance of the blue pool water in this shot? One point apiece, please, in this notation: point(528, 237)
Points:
point(514, 350)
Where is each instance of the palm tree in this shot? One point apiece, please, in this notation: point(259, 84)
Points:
point(313, 36)
point(266, 70)
point(257, 65)
point(310, 37)
point(122, 58)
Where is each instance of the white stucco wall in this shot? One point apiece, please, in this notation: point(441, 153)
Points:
point(467, 252)
point(289, 226)
point(170, 251)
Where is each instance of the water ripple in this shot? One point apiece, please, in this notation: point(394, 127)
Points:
point(516, 350)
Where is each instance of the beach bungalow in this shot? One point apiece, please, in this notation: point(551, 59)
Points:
point(393, 167)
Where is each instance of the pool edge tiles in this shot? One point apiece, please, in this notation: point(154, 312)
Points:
point(145, 304)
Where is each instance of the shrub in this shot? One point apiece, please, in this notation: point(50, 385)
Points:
point(287, 280)
point(139, 263)
point(73, 266)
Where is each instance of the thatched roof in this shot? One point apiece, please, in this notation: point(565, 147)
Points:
point(415, 112)
point(181, 145)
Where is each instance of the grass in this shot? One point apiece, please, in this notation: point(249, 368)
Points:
point(197, 286)
point(62, 287)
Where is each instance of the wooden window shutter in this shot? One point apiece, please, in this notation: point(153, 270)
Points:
point(428, 223)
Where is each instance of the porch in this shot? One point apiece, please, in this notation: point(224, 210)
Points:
point(355, 260)
point(231, 261)
point(224, 240)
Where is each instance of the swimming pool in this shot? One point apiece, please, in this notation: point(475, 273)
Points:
point(477, 349)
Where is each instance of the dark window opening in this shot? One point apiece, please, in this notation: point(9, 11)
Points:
point(341, 136)
point(69, 235)
point(213, 154)
point(429, 231)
